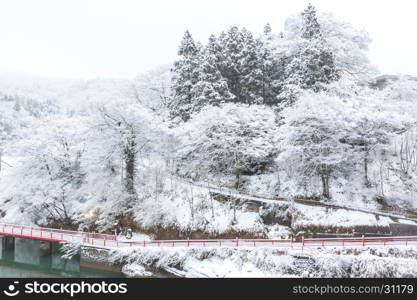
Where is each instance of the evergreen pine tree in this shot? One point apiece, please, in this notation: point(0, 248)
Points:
point(269, 66)
point(313, 66)
point(311, 27)
point(185, 77)
point(251, 81)
point(231, 43)
point(268, 31)
point(212, 88)
point(240, 65)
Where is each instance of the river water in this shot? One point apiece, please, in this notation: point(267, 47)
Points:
point(52, 265)
point(24, 271)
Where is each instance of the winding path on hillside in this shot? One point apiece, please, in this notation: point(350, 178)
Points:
point(228, 192)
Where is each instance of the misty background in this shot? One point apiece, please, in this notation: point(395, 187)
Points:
point(119, 39)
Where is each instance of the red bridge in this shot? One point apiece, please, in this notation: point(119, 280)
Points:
point(111, 241)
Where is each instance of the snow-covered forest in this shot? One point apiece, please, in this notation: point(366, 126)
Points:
point(297, 114)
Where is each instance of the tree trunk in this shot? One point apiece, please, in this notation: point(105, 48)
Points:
point(237, 185)
point(381, 177)
point(325, 177)
point(192, 202)
point(327, 194)
point(211, 204)
point(292, 212)
point(130, 165)
point(365, 169)
point(323, 183)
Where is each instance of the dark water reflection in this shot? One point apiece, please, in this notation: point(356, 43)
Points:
point(28, 258)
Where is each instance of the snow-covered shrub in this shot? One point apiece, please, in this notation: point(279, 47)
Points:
point(277, 213)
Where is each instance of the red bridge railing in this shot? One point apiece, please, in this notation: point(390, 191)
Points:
point(111, 241)
point(361, 241)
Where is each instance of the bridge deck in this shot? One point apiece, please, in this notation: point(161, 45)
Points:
point(110, 241)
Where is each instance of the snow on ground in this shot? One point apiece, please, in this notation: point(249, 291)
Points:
point(8, 163)
point(135, 270)
point(322, 216)
point(278, 232)
point(346, 216)
point(211, 267)
point(197, 262)
point(190, 207)
point(408, 222)
point(314, 215)
point(136, 237)
point(270, 262)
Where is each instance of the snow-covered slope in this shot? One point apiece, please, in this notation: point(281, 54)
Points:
point(267, 262)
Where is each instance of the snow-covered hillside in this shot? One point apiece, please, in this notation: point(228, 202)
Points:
point(294, 115)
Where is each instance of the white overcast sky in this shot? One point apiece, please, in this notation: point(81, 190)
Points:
point(121, 38)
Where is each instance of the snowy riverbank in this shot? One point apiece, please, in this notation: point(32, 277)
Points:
point(267, 262)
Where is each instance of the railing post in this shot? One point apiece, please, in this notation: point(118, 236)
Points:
point(302, 243)
point(237, 242)
point(385, 242)
point(343, 243)
point(144, 243)
point(363, 241)
point(406, 241)
point(188, 242)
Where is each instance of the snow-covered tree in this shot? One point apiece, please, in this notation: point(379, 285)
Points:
point(365, 135)
point(310, 140)
point(311, 27)
point(185, 76)
point(313, 65)
point(348, 44)
point(232, 139)
point(212, 87)
point(129, 129)
point(153, 88)
point(240, 65)
point(54, 175)
point(269, 66)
